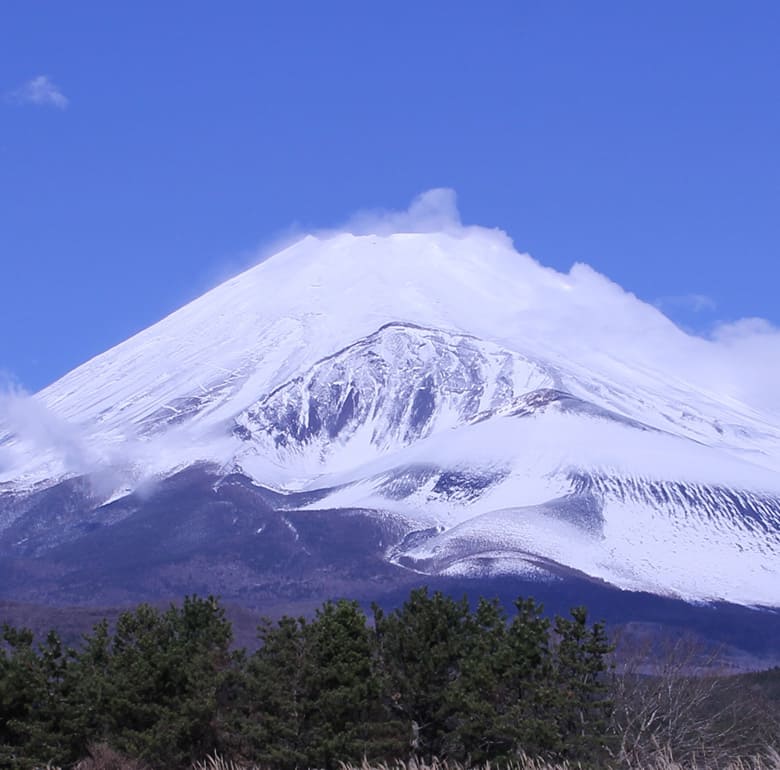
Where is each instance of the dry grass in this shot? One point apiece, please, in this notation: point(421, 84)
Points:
point(217, 762)
point(769, 761)
point(103, 757)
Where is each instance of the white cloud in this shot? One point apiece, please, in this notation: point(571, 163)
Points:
point(41, 91)
point(34, 438)
point(433, 211)
point(580, 312)
point(736, 332)
point(31, 427)
point(736, 360)
point(697, 303)
point(748, 355)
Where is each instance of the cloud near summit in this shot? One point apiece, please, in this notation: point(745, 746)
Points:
point(433, 211)
point(738, 359)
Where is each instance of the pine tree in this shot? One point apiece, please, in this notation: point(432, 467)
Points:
point(529, 719)
point(88, 680)
point(342, 691)
point(584, 705)
point(33, 707)
point(422, 646)
point(273, 707)
point(482, 692)
point(164, 674)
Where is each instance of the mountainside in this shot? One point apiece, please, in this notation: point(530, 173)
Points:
point(375, 407)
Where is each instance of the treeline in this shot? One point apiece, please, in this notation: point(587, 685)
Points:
point(433, 678)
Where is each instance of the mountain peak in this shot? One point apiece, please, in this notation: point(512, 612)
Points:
point(445, 379)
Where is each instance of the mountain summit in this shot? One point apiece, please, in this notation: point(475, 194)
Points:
point(471, 412)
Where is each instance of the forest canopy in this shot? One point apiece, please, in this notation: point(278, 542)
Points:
point(436, 677)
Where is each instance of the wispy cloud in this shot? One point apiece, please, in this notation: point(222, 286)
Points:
point(42, 92)
point(734, 359)
point(433, 211)
point(33, 438)
point(510, 299)
point(26, 420)
point(697, 303)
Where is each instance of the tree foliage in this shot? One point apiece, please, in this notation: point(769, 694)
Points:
point(433, 677)
point(150, 689)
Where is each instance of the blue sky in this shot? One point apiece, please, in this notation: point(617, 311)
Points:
point(147, 149)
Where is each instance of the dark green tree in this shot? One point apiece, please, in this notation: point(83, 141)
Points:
point(164, 676)
point(584, 705)
point(272, 709)
point(530, 716)
point(343, 707)
point(87, 684)
point(33, 700)
point(313, 696)
point(421, 651)
point(432, 678)
point(482, 693)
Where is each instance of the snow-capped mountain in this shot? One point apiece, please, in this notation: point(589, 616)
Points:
point(496, 417)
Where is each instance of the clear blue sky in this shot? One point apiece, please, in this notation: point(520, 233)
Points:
point(147, 147)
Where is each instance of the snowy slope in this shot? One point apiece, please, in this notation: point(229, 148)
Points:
point(531, 417)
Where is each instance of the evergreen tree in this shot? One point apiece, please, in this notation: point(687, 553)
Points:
point(584, 706)
point(342, 691)
point(33, 705)
point(313, 693)
point(88, 681)
point(482, 693)
point(164, 674)
point(421, 650)
point(432, 678)
point(272, 711)
point(530, 716)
